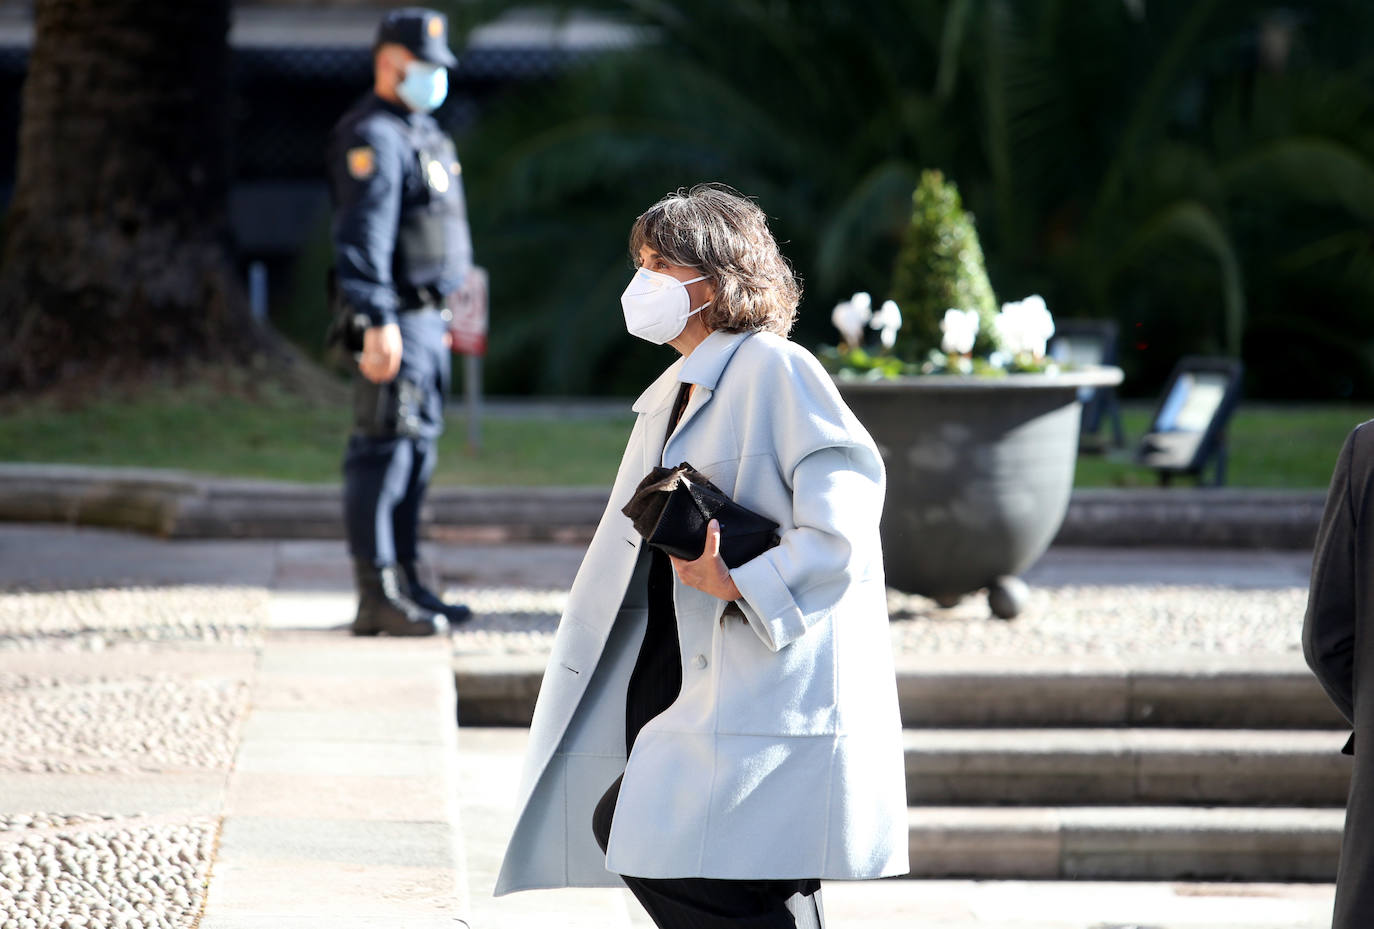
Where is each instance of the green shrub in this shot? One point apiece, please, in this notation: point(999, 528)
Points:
point(940, 265)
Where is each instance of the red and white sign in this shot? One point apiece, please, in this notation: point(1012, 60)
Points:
point(468, 329)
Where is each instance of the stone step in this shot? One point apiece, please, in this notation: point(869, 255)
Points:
point(1152, 843)
point(1215, 691)
point(1126, 766)
point(1137, 843)
point(489, 764)
point(1221, 691)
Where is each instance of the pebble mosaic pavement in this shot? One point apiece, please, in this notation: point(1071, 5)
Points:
point(1067, 620)
point(99, 716)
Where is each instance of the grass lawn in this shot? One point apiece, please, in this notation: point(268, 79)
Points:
point(1280, 446)
point(267, 432)
point(276, 435)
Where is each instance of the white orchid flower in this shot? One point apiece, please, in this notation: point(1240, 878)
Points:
point(960, 328)
point(851, 316)
point(1025, 326)
point(888, 322)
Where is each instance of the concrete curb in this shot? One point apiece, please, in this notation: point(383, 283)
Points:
point(340, 805)
point(1247, 692)
point(177, 504)
point(1200, 517)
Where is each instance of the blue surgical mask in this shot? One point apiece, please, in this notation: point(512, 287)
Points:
point(424, 86)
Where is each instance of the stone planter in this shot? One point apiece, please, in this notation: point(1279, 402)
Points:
point(979, 473)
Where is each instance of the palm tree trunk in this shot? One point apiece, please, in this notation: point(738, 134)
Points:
point(116, 249)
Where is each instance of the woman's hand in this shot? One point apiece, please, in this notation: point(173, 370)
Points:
point(708, 573)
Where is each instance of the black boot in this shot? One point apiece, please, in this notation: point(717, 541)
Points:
point(384, 607)
point(455, 613)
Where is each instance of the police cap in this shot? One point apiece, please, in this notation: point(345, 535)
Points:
point(421, 31)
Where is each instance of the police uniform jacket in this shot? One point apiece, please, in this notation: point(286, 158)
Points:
point(401, 237)
point(782, 755)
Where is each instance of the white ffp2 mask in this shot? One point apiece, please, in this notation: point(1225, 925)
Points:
point(657, 305)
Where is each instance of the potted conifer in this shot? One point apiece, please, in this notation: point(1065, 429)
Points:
point(979, 431)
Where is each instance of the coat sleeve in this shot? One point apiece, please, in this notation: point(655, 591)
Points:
point(1328, 632)
point(837, 481)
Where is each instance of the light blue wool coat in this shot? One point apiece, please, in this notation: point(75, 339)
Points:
point(782, 755)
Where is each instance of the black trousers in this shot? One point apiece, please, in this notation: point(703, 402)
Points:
point(690, 902)
point(709, 903)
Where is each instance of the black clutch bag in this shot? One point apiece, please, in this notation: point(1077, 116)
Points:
point(671, 507)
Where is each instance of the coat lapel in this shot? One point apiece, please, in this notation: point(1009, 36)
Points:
point(655, 405)
point(702, 368)
point(700, 397)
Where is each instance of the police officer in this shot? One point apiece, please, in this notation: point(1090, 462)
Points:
point(401, 245)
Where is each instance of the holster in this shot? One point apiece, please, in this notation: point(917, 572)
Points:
point(386, 411)
point(346, 325)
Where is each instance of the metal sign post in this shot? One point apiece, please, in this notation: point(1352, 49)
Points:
point(467, 331)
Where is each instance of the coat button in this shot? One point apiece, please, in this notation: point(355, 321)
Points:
point(699, 661)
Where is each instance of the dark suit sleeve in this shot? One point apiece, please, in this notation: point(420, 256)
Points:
point(1328, 632)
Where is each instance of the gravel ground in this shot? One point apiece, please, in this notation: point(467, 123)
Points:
point(109, 725)
point(1108, 621)
point(90, 620)
point(1084, 620)
point(84, 872)
point(111, 699)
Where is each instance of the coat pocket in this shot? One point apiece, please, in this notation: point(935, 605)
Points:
point(788, 692)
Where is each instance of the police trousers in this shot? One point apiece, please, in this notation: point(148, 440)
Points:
point(392, 452)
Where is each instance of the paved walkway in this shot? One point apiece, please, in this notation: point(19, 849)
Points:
point(187, 743)
point(177, 713)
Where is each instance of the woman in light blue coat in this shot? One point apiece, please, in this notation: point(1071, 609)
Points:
point(734, 733)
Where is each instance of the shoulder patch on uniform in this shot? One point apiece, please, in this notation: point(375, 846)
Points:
point(362, 162)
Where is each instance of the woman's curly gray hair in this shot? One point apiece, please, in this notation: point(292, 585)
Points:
point(724, 235)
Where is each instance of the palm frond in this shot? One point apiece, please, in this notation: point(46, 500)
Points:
point(1310, 169)
point(1193, 222)
point(876, 207)
point(957, 17)
point(1148, 108)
